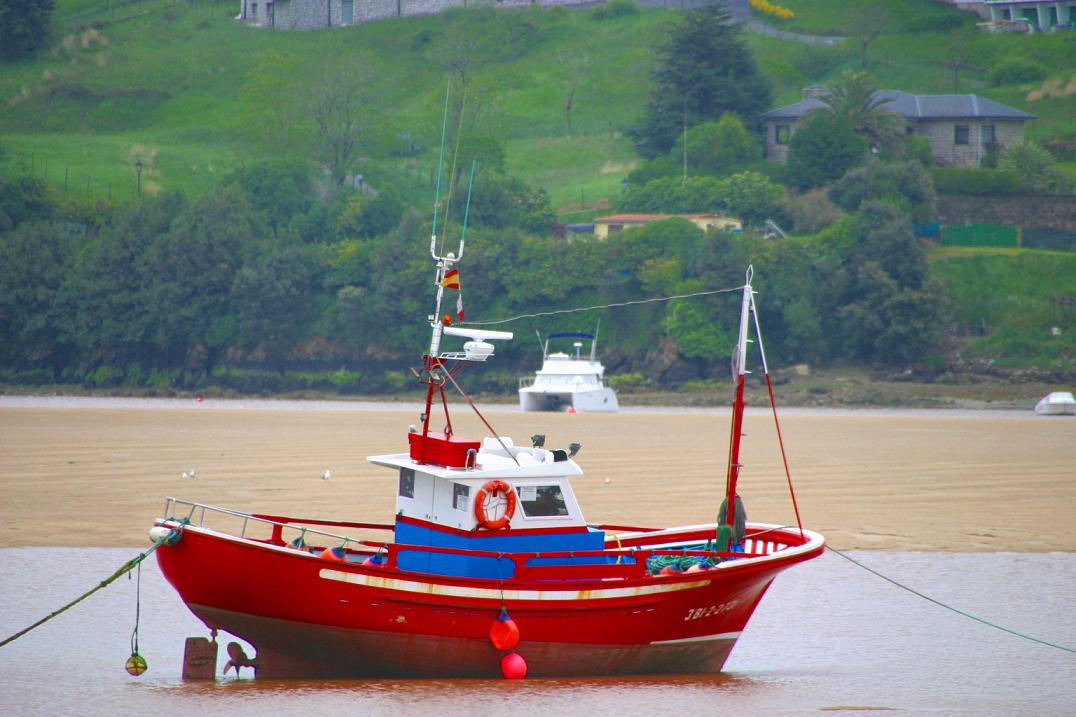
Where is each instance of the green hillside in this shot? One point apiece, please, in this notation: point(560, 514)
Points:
point(1006, 301)
point(192, 93)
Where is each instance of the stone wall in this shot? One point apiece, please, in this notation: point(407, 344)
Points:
point(1028, 211)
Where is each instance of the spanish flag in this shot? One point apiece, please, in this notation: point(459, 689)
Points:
point(452, 279)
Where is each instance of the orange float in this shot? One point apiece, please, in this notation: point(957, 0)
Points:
point(486, 499)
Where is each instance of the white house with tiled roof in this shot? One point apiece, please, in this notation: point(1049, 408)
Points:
point(961, 128)
point(604, 226)
point(1044, 15)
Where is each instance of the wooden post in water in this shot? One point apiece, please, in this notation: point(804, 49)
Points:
point(200, 659)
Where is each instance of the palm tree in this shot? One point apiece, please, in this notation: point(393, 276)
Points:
point(855, 98)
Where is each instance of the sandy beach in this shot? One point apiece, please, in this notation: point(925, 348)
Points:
point(927, 480)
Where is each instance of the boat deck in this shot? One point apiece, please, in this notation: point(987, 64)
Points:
point(630, 553)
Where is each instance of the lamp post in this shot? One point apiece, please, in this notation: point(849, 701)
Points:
point(138, 173)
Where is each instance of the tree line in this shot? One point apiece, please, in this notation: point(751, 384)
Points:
point(245, 286)
point(275, 281)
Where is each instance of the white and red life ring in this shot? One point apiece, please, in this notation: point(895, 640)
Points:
point(488, 505)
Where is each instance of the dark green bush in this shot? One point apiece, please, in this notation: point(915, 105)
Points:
point(1017, 71)
point(615, 8)
point(919, 150)
point(29, 377)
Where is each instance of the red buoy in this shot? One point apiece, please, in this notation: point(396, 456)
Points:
point(335, 554)
point(504, 633)
point(513, 666)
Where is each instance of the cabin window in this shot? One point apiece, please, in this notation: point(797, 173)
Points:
point(542, 501)
point(987, 134)
point(960, 134)
point(461, 496)
point(407, 483)
point(782, 133)
point(254, 11)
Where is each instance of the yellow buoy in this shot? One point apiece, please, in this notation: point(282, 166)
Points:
point(136, 665)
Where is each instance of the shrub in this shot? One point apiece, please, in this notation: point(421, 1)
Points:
point(717, 148)
point(615, 8)
point(823, 149)
point(671, 195)
point(751, 196)
point(629, 381)
point(906, 186)
point(1032, 166)
point(935, 23)
point(31, 376)
point(104, 376)
point(919, 150)
point(812, 212)
point(657, 168)
point(1017, 71)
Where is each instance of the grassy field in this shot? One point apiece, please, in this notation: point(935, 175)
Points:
point(1010, 301)
point(182, 87)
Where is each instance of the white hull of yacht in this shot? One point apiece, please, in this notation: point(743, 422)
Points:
point(602, 400)
point(1059, 403)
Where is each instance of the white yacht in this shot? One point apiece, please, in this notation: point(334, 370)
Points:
point(568, 382)
point(1058, 403)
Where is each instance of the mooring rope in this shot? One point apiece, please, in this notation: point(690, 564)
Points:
point(614, 305)
point(948, 607)
point(124, 569)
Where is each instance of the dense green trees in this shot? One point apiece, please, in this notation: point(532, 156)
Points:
point(172, 292)
point(24, 27)
point(717, 148)
point(904, 185)
point(704, 70)
point(823, 148)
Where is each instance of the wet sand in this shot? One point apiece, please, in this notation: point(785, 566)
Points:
point(866, 480)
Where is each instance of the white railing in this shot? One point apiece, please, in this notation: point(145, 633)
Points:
point(279, 530)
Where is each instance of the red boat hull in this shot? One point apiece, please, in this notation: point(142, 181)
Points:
point(309, 617)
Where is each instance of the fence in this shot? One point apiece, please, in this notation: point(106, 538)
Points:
point(60, 175)
point(998, 235)
point(119, 10)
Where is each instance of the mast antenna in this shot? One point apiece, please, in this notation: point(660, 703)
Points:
point(440, 166)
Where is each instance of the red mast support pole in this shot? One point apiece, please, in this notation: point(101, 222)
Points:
point(734, 461)
point(738, 405)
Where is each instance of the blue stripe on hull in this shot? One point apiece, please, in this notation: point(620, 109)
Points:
point(488, 567)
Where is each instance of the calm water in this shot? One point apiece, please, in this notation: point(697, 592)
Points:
point(828, 639)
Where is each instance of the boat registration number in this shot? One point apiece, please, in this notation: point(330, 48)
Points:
point(701, 612)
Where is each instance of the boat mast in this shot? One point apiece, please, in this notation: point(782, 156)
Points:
point(739, 363)
point(594, 342)
point(432, 363)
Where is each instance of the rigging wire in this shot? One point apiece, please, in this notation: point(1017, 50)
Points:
point(614, 305)
point(947, 607)
point(831, 549)
point(124, 569)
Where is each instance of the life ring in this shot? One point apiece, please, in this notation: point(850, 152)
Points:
point(486, 500)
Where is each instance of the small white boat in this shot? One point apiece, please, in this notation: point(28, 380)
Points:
point(568, 382)
point(1057, 403)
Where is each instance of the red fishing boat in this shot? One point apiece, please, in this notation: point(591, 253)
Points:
point(489, 567)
